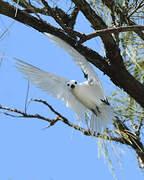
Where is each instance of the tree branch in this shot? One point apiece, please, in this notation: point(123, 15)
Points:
point(59, 118)
point(109, 30)
point(126, 137)
point(141, 4)
point(118, 74)
point(124, 18)
point(66, 22)
point(111, 48)
point(133, 139)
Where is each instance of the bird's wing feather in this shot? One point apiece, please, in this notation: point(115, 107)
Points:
point(79, 59)
point(52, 84)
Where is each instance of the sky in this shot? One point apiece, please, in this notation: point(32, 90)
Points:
point(28, 150)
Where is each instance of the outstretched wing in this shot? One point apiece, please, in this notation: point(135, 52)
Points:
point(79, 59)
point(52, 84)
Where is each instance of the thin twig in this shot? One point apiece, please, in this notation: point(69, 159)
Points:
point(139, 127)
point(23, 114)
point(49, 106)
point(59, 118)
point(138, 7)
point(70, 31)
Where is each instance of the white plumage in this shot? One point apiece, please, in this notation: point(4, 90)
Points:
point(86, 99)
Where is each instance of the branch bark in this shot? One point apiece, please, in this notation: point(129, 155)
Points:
point(115, 70)
point(111, 48)
point(110, 30)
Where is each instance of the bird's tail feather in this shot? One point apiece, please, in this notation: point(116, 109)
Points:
point(100, 121)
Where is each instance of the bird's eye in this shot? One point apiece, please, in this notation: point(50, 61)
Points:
point(75, 82)
point(68, 84)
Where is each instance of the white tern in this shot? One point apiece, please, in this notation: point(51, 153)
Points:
point(86, 99)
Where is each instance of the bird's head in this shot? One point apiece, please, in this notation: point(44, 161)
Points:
point(72, 84)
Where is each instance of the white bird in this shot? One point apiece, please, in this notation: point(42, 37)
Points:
point(86, 99)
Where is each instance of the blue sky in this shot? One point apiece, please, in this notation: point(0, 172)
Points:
point(29, 152)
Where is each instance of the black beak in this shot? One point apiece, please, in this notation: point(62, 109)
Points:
point(72, 86)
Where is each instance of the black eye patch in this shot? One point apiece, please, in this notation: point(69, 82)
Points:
point(75, 82)
point(68, 84)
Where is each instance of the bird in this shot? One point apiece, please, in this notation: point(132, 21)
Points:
point(87, 99)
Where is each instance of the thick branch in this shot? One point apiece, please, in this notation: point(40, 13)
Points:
point(68, 20)
point(119, 75)
point(112, 50)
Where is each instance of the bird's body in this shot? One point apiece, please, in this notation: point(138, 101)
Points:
point(82, 98)
point(86, 94)
point(90, 95)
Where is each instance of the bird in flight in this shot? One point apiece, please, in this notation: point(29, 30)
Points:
point(87, 99)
